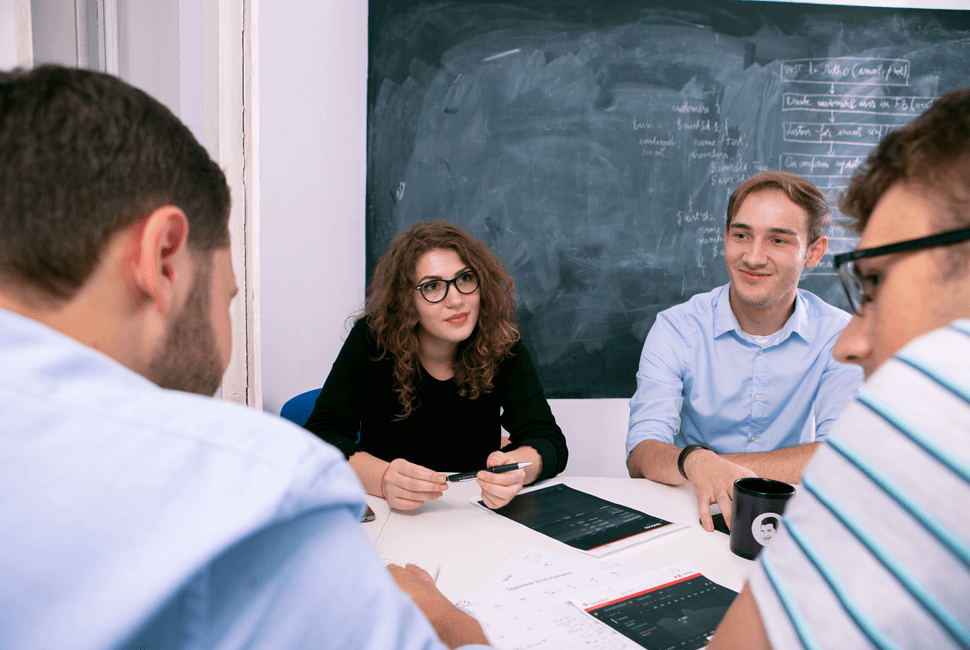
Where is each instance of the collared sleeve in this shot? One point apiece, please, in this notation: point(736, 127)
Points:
point(308, 581)
point(839, 385)
point(655, 407)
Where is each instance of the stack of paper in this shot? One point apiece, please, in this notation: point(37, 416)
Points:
point(539, 599)
point(525, 603)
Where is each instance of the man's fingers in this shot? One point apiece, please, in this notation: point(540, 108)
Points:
point(419, 572)
point(725, 504)
point(704, 510)
point(706, 521)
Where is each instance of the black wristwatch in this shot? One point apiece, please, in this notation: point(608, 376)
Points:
point(683, 456)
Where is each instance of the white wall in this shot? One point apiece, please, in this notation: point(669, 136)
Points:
point(54, 33)
point(312, 121)
point(313, 137)
point(190, 56)
point(152, 54)
point(148, 49)
point(16, 40)
point(313, 107)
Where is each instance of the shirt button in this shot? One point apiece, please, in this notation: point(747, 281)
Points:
point(752, 438)
point(757, 398)
point(760, 352)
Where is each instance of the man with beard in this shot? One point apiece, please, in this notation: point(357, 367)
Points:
point(134, 513)
point(874, 550)
point(740, 381)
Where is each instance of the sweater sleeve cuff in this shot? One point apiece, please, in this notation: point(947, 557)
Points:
point(546, 451)
point(346, 446)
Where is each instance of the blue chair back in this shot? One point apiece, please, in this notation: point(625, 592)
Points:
point(298, 409)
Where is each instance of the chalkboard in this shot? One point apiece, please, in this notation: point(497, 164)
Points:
point(594, 144)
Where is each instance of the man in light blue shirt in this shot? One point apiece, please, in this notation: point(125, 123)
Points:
point(874, 550)
point(133, 513)
point(740, 381)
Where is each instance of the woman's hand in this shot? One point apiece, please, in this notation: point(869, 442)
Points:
point(406, 485)
point(498, 489)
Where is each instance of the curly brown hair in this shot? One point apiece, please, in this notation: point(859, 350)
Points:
point(392, 317)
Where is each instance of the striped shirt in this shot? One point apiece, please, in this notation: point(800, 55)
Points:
point(875, 551)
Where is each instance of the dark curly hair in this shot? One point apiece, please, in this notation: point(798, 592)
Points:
point(392, 317)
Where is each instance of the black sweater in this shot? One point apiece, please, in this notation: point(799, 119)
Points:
point(445, 432)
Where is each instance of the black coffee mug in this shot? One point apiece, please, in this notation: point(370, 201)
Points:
point(756, 514)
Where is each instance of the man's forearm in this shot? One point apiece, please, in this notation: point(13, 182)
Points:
point(742, 626)
point(453, 626)
point(782, 464)
point(656, 461)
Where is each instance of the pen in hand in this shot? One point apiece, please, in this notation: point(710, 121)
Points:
point(467, 476)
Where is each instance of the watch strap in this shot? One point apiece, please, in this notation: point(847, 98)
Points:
point(683, 456)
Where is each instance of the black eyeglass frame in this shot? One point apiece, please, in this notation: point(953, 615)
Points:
point(453, 281)
point(939, 239)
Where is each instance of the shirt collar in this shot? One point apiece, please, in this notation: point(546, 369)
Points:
point(44, 349)
point(725, 321)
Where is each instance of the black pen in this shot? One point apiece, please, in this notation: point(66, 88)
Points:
point(467, 476)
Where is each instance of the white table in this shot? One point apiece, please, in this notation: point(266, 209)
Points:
point(468, 543)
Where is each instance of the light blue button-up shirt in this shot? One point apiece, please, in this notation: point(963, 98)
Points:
point(703, 380)
point(132, 516)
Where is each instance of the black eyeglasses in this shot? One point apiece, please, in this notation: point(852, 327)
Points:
point(858, 289)
point(437, 290)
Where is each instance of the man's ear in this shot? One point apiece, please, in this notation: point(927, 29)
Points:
point(162, 255)
point(816, 251)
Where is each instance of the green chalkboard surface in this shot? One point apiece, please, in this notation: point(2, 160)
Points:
point(594, 144)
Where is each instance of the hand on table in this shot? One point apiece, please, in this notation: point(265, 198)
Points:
point(712, 480)
point(419, 585)
point(498, 489)
point(454, 627)
point(406, 486)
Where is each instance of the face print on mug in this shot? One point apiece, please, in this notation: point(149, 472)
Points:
point(765, 527)
point(757, 514)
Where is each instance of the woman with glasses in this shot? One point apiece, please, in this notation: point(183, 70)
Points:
point(432, 371)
